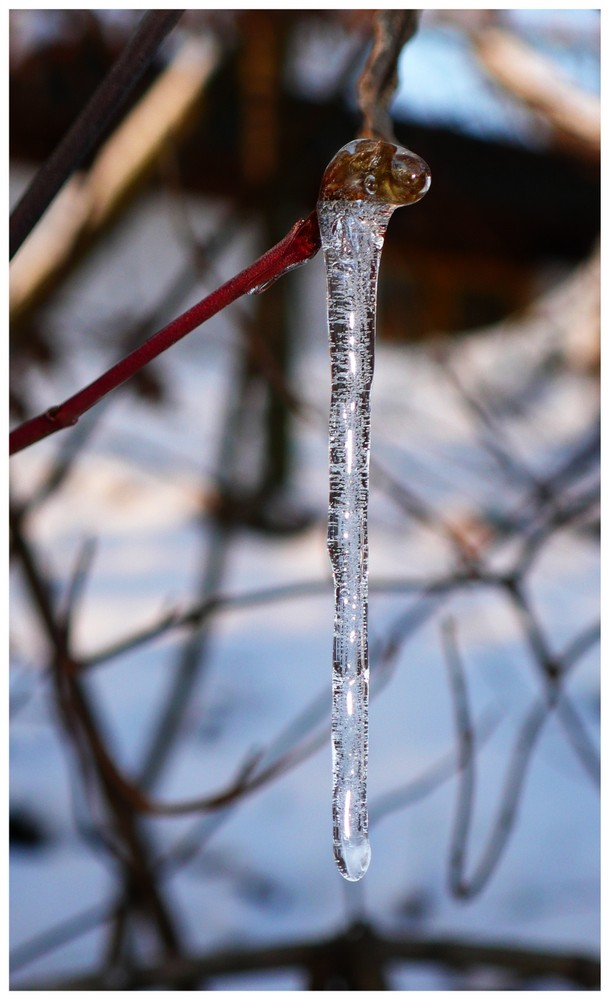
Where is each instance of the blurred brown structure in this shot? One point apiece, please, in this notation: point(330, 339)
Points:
point(497, 219)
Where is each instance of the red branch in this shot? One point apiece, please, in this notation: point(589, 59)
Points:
point(298, 246)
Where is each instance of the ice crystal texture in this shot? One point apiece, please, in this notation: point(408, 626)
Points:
point(352, 237)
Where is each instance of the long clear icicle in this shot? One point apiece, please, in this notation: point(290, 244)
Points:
point(352, 241)
point(363, 185)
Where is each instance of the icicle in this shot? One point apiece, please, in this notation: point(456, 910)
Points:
point(362, 186)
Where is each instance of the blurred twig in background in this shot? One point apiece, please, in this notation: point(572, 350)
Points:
point(89, 199)
point(574, 115)
point(99, 113)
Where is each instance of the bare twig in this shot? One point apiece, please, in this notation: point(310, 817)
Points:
point(378, 81)
point(580, 645)
point(493, 435)
point(424, 784)
point(122, 796)
point(420, 510)
point(59, 934)
point(103, 108)
point(545, 522)
point(553, 672)
point(190, 663)
point(80, 573)
point(201, 254)
point(90, 199)
point(298, 246)
point(450, 953)
point(83, 728)
point(460, 885)
point(197, 613)
point(64, 462)
point(463, 886)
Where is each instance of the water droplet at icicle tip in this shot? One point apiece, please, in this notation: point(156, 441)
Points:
point(354, 858)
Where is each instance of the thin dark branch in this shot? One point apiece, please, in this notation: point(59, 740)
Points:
point(553, 671)
point(76, 586)
point(194, 616)
point(546, 522)
point(102, 110)
point(582, 456)
point(251, 776)
point(580, 645)
point(64, 462)
point(525, 743)
point(453, 953)
point(189, 667)
point(493, 438)
point(384, 652)
point(465, 738)
point(459, 884)
point(580, 740)
point(428, 781)
point(378, 81)
point(423, 512)
point(80, 720)
point(58, 935)
point(123, 797)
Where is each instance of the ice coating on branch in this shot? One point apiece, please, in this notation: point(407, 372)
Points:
point(362, 186)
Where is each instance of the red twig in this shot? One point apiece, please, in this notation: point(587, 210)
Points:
point(298, 246)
